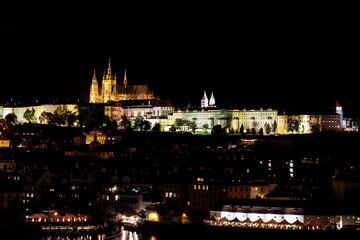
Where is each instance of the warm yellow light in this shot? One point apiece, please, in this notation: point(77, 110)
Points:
point(154, 217)
point(55, 213)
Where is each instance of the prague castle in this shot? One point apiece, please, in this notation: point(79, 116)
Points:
point(137, 101)
point(110, 91)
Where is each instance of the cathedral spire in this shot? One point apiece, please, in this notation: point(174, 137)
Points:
point(94, 89)
point(94, 76)
point(125, 79)
point(109, 71)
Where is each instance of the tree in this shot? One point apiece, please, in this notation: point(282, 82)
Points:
point(218, 130)
point(61, 115)
point(42, 117)
point(142, 125)
point(110, 125)
point(242, 129)
point(267, 128)
point(125, 123)
point(139, 122)
point(254, 125)
point(274, 126)
point(72, 120)
point(11, 118)
point(261, 131)
point(157, 127)
point(172, 128)
point(47, 117)
point(29, 115)
point(178, 123)
point(193, 125)
point(147, 125)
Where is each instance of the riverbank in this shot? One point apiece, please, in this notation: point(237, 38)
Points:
point(200, 231)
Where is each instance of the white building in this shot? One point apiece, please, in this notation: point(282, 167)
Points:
point(19, 111)
point(309, 215)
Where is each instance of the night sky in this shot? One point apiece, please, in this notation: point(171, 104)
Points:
point(246, 56)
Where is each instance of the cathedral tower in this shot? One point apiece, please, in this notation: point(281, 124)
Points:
point(110, 91)
point(108, 86)
point(94, 89)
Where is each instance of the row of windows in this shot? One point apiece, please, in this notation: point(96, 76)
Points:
point(241, 188)
point(199, 204)
point(244, 196)
point(172, 195)
point(199, 187)
point(211, 197)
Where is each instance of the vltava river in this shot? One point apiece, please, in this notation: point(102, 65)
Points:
point(125, 235)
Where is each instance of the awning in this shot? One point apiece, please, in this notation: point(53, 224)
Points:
point(259, 221)
point(297, 222)
point(223, 219)
point(235, 220)
point(272, 221)
point(284, 222)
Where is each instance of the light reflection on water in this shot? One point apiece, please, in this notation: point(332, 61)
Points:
point(125, 235)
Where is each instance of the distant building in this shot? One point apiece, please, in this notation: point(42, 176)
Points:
point(239, 191)
point(4, 141)
point(233, 119)
point(90, 137)
point(346, 186)
point(10, 196)
point(279, 213)
point(7, 166)
point(110, 91)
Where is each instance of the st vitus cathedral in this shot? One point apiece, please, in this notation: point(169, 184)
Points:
point(110, 91)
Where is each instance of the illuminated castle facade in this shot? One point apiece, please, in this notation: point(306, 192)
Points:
point(110, 91)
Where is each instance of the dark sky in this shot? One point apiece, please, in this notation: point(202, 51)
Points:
point(246, 56)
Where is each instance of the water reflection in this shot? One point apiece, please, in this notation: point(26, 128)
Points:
point(125, 235)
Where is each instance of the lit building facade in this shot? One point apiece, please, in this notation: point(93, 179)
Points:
point(39, 109)
point(110, 91)
point(280, 214)
point(229, 118)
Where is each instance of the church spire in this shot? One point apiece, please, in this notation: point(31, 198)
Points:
point(212, 100)
point(94, 89)
point(125, 79)
point(109, 71)
point(94, 76)
point(204, 101)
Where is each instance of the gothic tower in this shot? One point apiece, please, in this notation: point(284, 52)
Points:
point(204, 101)
point(94, 89)
point(125, 80)
point(110, 91)
point(108, 86)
